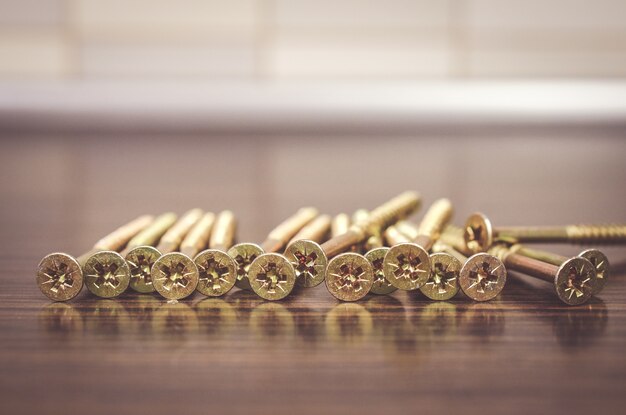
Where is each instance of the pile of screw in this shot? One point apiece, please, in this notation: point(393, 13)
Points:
point(374, 252)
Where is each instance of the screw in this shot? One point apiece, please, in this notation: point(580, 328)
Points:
point(573, 280)
point(378, 220)
point(407, 265)
point(480, 234)
point(175, 275)
point(218, 271)
point(60, 276)
point(349, 276)
point(303, 251)
point(271, 275)
point(599, 261)
point(140, 253)
point(340, 225)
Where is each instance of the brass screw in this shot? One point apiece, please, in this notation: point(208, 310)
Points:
point(349, 276)
point(573, 280)
point(303, 251)
point(380, 285)
point(340, 225)
point(379, 219)
point(218, 271)
point(60, 276)
point(596, 257)
point(407, 265)
point(480, 234)
point(271, 275)
point(175, 275)
point(140, 253)
point(106, 273)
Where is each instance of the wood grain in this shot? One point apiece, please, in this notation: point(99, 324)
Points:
point(522, 353)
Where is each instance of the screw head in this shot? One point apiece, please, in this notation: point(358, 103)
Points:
point(478, 233)
point(575, 280)
point(271, 276)
point(140, 261)
point(443, 282)
point(107, 274)
point(602, 266)
point(380, 285)
point(174, 276)
point(482, 277)
point(59, 277)
point(349, 276)
point(244, 254)
point(407, 266)
point(309, 261)
point(218, 272)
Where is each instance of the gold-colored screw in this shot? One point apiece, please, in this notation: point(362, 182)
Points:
point(596, 257)
point(304, 250)
point(106, 272)
point(140, 252)
point(271, 275)
point(340, 225)
point(350, 276)
point(60, 276)
point(407, 265)
point(480, 234)
point(175, 275)
point(218, 271)
point(573, 280)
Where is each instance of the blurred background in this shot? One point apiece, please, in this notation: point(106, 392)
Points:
point(113, 108)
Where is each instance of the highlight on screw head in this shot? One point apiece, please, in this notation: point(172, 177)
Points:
point(140, 261)
point(443, 283)
point(106, 274)
point(575, 280)
point(478, 233)
point(380, 285)
point(602, 266)
point(174, 276)
point(217, 272)
point(308, 260)
point(59, 277)
point(349, 276)
point(271, 276)
point(244, 254)
point(482, 277)
point(407, 266)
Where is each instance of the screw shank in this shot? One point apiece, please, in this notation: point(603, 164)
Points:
point(390, 212)
point(223, 233)
point(441, 246)
point(117, 239)
point(339, 225)
point(532, 234)
point(198, 237)
point(543, 256)
point(314, 231)
point(154, 232)
point(341, 243)
point(172, 239)
point(280, 235)
point(530, 266)
point(433, 223)
point(394, 237)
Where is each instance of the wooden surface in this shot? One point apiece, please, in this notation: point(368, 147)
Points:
point(522, 353)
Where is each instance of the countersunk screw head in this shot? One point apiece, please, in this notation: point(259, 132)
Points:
point(601, 264)
point(218, 272)
point(107, 274)
point(574, 281)
point(308, 260)
point(443, 283)
point(140, 261)
point(380, 285)
point(407, 266)
point(478, 233)
point(174, 276)
point(271, 276)
point(59, 277)
point(349, 276)
point(482, 277)
point(244, 254)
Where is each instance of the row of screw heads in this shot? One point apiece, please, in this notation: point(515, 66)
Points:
point(169, 256)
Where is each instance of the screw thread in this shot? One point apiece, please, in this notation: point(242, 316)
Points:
point(395, 209)
point(223, 233)
point(198, 236)
point(597, 234)
point(435, 219)
point(315, 231)
point(117, 239)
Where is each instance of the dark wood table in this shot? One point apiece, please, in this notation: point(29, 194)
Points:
point(522, 353)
